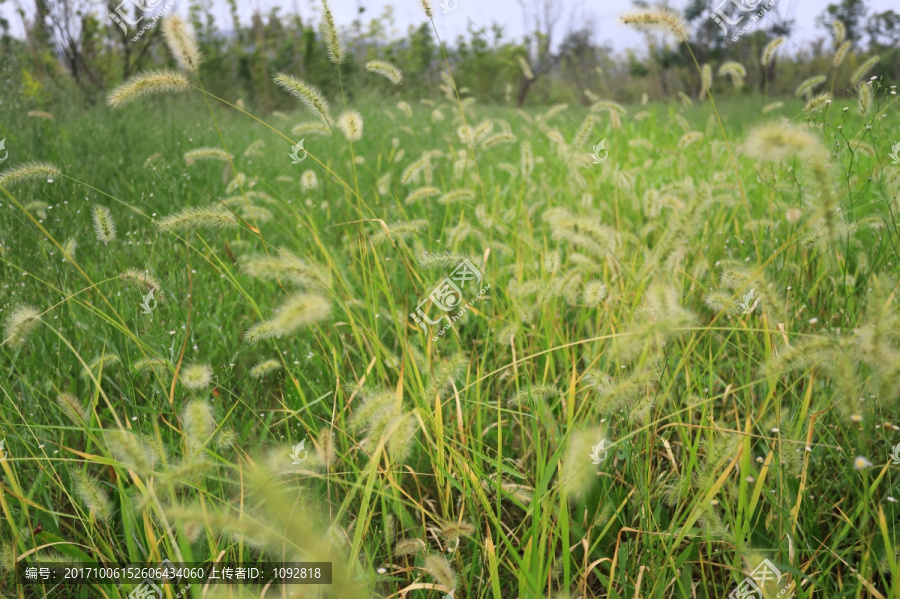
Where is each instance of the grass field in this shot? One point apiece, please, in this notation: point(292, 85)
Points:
point(719, 310)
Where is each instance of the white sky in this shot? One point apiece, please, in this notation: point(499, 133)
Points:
point(481, 13)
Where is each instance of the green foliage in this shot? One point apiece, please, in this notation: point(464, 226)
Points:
point(716, 301)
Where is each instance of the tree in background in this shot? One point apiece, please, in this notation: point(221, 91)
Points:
point(851, 13)
point(75, 45)
point(884, 30)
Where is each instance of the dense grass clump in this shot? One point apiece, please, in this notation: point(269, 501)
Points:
point(666, 365)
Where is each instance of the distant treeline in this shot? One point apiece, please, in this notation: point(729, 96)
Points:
point(77, 50)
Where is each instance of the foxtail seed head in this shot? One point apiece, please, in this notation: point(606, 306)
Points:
point(663, 19)
point(27, 172)
point(768, 52)
point(308, 95)
point(149, 82)
point(351, 123)
point(330, 36)
point(179, 36)
point(104, 225)
point(19, 323)
point(386, 70)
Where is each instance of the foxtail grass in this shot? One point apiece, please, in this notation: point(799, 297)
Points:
point(179, 36)
point(308, 95)
point(28, 171)
point(149, 82)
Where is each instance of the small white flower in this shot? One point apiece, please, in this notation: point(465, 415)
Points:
point(861, 463)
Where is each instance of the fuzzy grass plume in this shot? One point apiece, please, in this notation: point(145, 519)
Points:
point(841, 54)
point(441, 570)
point(196, 376)
point(587, 127)
point(192, 218)
point(73, 409)
point(594, 293)
point(179, 36)
point(412, 171)
point(706, 78)
point(198, 425)
point(351, 123)
point(526, 68)
point(426, 6)
point(689, 138)
point(526, 159)
point(149, 82)
point(409, 547)
point(92, 495)
point(129, 449)
point(386, 70)
point(192, 156)
point(421, 194)
point(532, 394)
point(498, 138)
point(863, 69)
point(311, 129)
point(768, 53)
point(142, 279)
point(28, 171)
point(405, 108)
point(482, 130)
point(309, 181)
point(308, 95)
point(287, 266)
point(455, 530)
point(807, 86)
point(457, 195)
point(265, 367)
point(299, 310)
point(659, 19)
point(866, 99)
point(840, 31)
point(817, 103)
point(735, 71)
point(777, 142)
point(330, 36)
point(398, 230)
point(104, 225)
point(18, 324)
point(608, 106)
